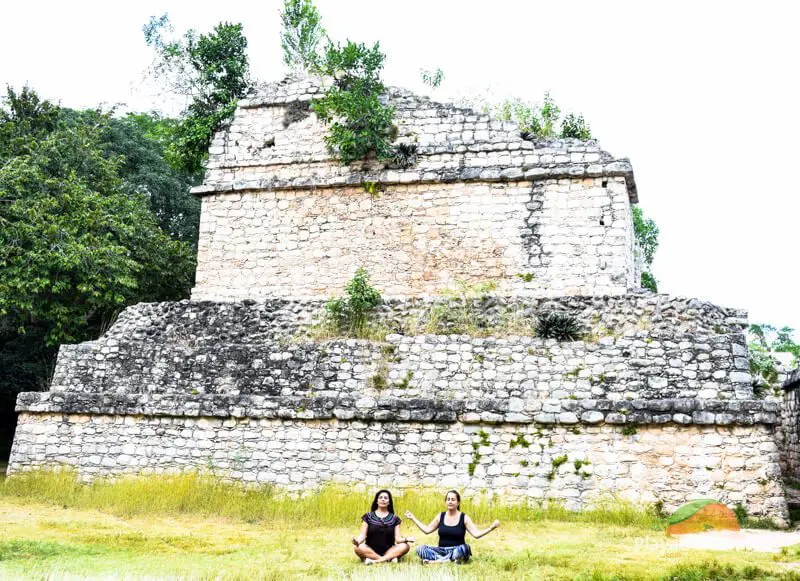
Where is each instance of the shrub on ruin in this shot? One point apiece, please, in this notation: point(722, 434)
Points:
point(360, 124)
point(350, 314)
point(558, 325)
point(575, 126)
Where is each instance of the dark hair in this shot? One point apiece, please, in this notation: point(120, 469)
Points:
point(375, 501)
point(458, 497)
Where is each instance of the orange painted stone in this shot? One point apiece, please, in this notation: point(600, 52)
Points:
point(710, 517)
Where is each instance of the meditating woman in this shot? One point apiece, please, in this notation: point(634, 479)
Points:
point(453, 526)
point(379, 539)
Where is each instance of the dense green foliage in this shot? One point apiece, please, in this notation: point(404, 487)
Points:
point(141, 140)
point(213, 70)
point(350, 314)
point(646, 234)
point(78, 239)
point(301, 34)
point(359, 123)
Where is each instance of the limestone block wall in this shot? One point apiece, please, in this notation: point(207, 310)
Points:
point(548, 238)
point(789, 429)
point(522, 368)
point(646, 346)
point(575, 464)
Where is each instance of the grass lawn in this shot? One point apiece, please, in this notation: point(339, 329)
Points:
point(41, 541)
point(192, 527)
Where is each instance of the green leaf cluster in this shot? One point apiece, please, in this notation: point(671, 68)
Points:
point(360, 124)
point(350, 314)
point(537, 120)
point(213, 70)
point(140, 140)
point(763, 342)
point(646, 234)
point(301, 34)
point(432, 78)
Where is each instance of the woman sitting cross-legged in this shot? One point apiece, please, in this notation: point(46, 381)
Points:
point(453, 526)
point(379, 539)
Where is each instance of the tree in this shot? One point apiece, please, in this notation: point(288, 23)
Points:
point(74, 245)
point(140, 139)
point(211, 69)
point(77, 242)
point(360, 124)
point(646, 234)
point(301, 34)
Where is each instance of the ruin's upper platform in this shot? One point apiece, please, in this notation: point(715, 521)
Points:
point(275, 142)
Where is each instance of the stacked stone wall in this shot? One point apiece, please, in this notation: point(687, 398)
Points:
point(550, 238)
point(276, 142)
point(282, 218)
point(789, 429)
point(667, 463)
point(262, 348)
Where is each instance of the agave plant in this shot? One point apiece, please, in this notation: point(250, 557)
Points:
point(558, 325)
point(405, 155)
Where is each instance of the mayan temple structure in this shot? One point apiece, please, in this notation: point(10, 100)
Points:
point(468, 243)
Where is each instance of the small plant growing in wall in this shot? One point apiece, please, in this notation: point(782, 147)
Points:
point(629, 430)
point(557, 462)
point(350, 314)
point(580, 464)
point(379, 380)
point(406, 381)
point(557, 325)
point(520, 440)
point(372, 188)
point(483, 440)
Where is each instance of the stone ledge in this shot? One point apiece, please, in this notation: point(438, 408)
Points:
point(507, 410)
point(618, 168)
point(793, 381)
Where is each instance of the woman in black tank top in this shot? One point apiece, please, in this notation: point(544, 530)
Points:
point(453, 526)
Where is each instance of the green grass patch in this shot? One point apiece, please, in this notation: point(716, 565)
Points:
point(23, 550)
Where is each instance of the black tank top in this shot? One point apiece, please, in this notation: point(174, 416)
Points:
point(452, 536)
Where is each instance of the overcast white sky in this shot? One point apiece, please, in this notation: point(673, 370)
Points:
point(701, 96)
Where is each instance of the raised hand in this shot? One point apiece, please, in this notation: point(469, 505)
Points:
point(410, 515)
point(496, 523)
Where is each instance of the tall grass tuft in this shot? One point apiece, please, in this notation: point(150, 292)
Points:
point(202, 494)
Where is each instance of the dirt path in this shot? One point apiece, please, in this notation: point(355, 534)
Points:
point(754, 540)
